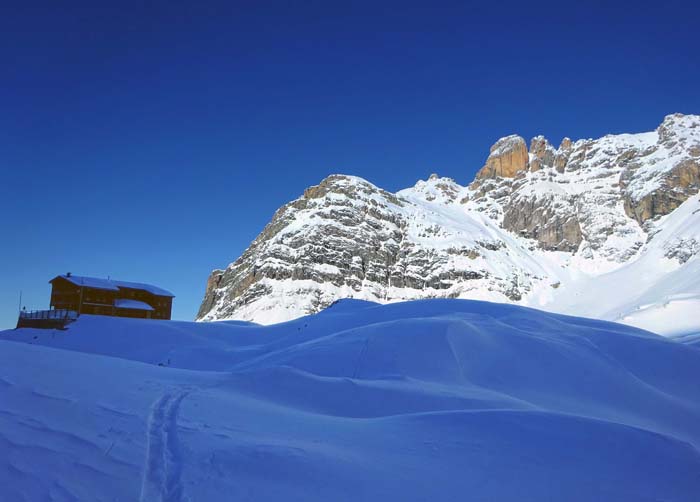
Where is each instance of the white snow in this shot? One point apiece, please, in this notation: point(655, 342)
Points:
point(132, 304)
point(427, 400)
point(681, 132)
point(652, 291)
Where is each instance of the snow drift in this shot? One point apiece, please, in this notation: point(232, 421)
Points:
point(424, 400)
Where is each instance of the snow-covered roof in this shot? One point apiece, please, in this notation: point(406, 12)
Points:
point(112, 285)
point(90, 282)
point(146, 287)
point(132, 304)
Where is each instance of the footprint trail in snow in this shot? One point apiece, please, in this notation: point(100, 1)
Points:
point(163, 464)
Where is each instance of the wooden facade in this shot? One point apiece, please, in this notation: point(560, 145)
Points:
point(89, 295)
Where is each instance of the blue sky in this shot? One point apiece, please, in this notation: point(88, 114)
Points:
point(152, 141)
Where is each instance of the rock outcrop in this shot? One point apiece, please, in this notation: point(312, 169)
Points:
point(541, 153)
point(347, 237)
point(596, 201)
point(552, 223)
point(674, 188)
point(662, 176)
point(561, 156)
point(571, 195)
point(508, 157)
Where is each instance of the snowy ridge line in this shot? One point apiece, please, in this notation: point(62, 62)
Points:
point(163, 464)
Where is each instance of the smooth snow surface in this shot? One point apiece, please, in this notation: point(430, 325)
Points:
point(427, 400)
point(132, 304)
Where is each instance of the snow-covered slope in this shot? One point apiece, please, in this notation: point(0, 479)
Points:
point(605, 228)
point(659, 290)
point(426, 400)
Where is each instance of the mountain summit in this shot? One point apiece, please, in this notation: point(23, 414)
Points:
point(607, 228)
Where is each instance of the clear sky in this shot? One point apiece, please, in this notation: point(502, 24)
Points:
point(152, 141)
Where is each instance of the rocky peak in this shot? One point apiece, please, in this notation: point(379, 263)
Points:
point(589, 201)
point(648, 174)
point(561, 156)
point(679, 127)
point(662, 173)
point(508, 157)
point(541, 153)
point(350, 186)
point(435, 189)
point(341, 232)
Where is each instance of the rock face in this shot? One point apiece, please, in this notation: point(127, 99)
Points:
point(675, 187)
point(541, 154)
point(572, 196)
point(552, 223)
point(596, 201)
point(659, 178)
point(346, 237)
point(508, 157)
point(342, 232)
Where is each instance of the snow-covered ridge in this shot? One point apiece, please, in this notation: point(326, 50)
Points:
point(536, 227)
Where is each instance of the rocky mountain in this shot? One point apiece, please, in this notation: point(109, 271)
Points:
point(596, 227)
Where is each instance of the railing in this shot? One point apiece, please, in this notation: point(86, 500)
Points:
point(57, 314)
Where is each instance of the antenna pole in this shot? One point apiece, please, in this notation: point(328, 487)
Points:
point(20, 301)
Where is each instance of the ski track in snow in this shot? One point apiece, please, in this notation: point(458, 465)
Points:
point(163, 464)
